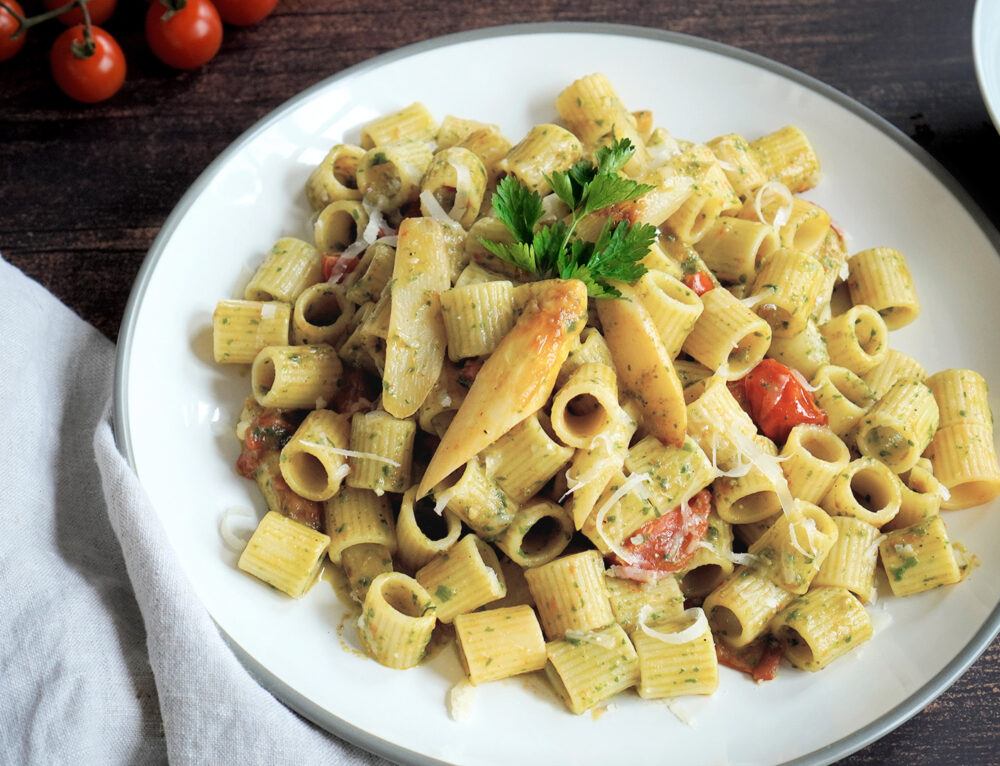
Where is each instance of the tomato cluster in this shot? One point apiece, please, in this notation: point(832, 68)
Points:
point(88, 64)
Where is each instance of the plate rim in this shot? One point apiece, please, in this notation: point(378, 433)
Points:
point(305, 707)
point(979, 15)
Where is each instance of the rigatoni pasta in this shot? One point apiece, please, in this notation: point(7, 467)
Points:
point(497, 397)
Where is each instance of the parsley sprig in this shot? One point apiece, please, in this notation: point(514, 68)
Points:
point(551, 250)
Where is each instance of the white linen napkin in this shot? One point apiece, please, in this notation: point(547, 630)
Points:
point(106, 655)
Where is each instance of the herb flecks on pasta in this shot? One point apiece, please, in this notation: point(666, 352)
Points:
point(555, 391)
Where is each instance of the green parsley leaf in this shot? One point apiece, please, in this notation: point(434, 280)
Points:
point(520, 254)
point(517, 207)
point(586, 188)
point(607, 190)
point(611, 159)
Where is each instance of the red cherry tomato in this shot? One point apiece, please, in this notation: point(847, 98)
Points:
point(87, 77)
point(700, 282)
point(99, 10)
point(185, 38)
point(668, 543)
point(10, 45)
point(336, 267)
point(244, 12)
point(778, 400)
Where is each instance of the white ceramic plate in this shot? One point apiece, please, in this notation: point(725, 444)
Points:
point(986, 54)
point(175, 408)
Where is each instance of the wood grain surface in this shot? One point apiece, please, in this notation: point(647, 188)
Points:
point(84, 190)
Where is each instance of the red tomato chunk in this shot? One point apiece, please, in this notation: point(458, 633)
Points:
point(777, 399)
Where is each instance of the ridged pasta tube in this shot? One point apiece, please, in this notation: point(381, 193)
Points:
point(900, 426)
point(537, 534)
point(357, 516)
point(732, 248)
point(463, 578)
point(852, 560)
point(295, 377)
point(284, 553)
point(591, 667)
point(421, 534)
point(857, 339)
point(525, 458)
point(499, 643)
point(389, 174)
point(790, 281)
point(919, 558)
point(457, 179)
point(546, 149)
point(321, 315)
point(786, 155)
point(738, 161)
point(813, 457)
point(628, 598)
point(740, 609)
point(383, 452)
point(674, 669)
point(396, 622)
point(965, 460)
point(289, 268)
point(792, 550)
point(880, 278)
point(585, 405)
point(413, 122)
point(336, 177)
point(478, 501)
point(728, 337)
point(844, 397)
point(313, 462)
point(570, 594)
point(866, 489)
point(338, 225)
point(895, 365)
point(821, 626)
point(240, 329)
point(673, 307)
point(477, 317)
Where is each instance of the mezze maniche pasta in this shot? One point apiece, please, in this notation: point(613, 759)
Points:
point(615, 406)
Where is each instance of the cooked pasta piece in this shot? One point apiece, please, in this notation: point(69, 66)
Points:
point(588, 668)
point(422, 533)
point(319, 316)
point(792, 550)
point(416, 343)
point(478, 500)
point(670, 663)
point(381, 452)
point(821, 626)
point(740, 609)
point(919, 558)
point(656, 600)
point(284, 553)
point(570, 594)
point(463, 578)
point(787, 156)
point(866, 489)
point(813, 457)
point(525, 458)
point(546, 149)
point(880, 278)
point(851, 561)
point(728, 337)
point(313, 461)
point(898, 428)
point(413, 122)
point(499, 643)
point(396, 622)
point(336, 177)
point(857, 339)
point(537, 534)
point(295, 377)
point(242, 328)
point(290, 267)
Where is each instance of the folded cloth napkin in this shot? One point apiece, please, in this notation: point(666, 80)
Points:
point(106, 655)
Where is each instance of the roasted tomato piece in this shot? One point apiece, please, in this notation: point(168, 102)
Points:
point(668, 543)
point(778, 399)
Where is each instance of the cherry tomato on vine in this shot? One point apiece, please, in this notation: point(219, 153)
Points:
point(99, 10)
point(84, 73)
point(244, 12)
point(183, 34)
point(9, 46)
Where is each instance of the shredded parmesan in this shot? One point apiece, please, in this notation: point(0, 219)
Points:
point(768, 465)
point(236, 525)
point(634, 480)
point(342, 472)
point(746, 559)
point(690, 633)
point(441, 500)
point(391, 241)
point(352, 453)
point(636, 574)
point(375, 222)
point(268, 310)
point(783, 213)
point(680, 713)
point(809, 527)
point(463, 182)
point(460, 700)
point(432, 206)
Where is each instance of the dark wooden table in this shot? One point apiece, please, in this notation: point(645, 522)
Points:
point(84, 190)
